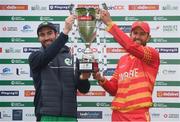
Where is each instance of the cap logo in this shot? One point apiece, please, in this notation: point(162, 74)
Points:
point(45, 23)
point(139, 23)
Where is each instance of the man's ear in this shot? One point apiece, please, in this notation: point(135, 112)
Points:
point(130, 34)
point(149, 37)
point(57, 34)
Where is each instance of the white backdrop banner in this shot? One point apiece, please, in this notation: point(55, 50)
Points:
point(18, 38)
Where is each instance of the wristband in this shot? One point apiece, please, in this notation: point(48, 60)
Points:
point(101, 82)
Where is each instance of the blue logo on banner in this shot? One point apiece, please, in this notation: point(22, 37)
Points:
point(17, 114)
point(109, 71)
point(9, 93)
point(125, 28)
point(59, 7)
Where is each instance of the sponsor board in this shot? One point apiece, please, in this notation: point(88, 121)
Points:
point(168, 94)
point(92, 93)
point(89, 114)
point(9, 93)
point(13, 7)
point(17, 114)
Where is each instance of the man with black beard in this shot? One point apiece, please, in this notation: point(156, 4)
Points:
point(134, 77)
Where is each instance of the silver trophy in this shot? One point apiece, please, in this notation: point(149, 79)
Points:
point(87, 23)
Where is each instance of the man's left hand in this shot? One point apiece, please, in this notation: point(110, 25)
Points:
point(85, 75)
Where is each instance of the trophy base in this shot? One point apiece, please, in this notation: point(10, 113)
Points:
point(88, 67)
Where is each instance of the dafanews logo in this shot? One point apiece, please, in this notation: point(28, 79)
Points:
point(115, 50)
point(173, 94)
point(13, 7)
point(143, 7)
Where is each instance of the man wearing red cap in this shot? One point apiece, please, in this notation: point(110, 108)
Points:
point(134, 77)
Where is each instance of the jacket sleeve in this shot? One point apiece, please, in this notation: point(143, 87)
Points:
point(82, 85)
point(39, 59)
point(145, 53)
point(110, 86)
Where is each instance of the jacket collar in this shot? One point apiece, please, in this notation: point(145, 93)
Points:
point(64, 49)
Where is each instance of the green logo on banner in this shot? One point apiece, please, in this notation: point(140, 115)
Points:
point(114, 18)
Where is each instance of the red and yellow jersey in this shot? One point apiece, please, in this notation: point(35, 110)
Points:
point(133, 80)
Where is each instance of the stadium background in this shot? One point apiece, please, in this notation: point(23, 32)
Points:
point(18, 23)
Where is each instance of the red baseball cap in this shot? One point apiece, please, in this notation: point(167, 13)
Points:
point(142, 25)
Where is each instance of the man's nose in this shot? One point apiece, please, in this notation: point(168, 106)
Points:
point(137, 36)
point(46, 37)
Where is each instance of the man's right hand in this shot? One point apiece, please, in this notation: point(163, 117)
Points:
point(68, 24)
point(97, 76)
point(105, 16)
point(85, 75)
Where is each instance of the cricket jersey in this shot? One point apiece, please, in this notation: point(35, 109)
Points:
point(133, 80)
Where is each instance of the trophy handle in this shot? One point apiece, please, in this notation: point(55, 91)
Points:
point(104, 6)
point(71, 9)
point(103, 57)
point(99, 23)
